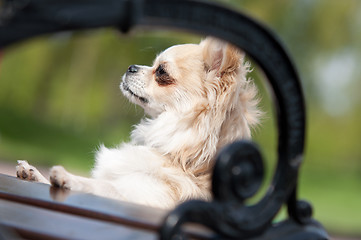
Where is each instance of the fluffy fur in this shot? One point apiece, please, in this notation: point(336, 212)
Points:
point(198, 99)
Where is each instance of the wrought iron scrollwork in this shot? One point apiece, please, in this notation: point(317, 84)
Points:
point(240, 167)
point(237, 176)
point(238, 172)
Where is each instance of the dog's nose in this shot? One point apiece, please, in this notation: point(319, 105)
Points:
point(132, 69)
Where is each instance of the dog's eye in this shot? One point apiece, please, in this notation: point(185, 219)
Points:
point(160, 70)
point(162, 77)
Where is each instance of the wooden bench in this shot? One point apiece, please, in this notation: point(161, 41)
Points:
point(37, 211)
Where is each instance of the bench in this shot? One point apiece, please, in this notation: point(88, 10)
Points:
point(27, 207)
point(37, 211)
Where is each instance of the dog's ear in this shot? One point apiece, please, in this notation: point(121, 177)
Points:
point(220, 56)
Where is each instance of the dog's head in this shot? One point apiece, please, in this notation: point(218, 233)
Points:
point(205, 84)
point(174, 82)
point(190, 75)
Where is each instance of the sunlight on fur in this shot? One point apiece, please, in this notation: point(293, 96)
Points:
point(198, 99)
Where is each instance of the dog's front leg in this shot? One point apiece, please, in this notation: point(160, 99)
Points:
point(59, 177)
point(28, 172)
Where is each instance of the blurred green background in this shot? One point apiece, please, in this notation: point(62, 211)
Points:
point(59, 97)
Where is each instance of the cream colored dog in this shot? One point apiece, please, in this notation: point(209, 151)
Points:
point(198, 99)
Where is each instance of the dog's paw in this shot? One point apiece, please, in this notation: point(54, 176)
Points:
point(27, 172)
point(59, 177)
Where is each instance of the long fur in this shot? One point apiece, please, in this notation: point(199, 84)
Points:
point(198, 99)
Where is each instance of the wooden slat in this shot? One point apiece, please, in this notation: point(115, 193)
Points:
point(81, 204)
point(41, 199)
point(39, 223)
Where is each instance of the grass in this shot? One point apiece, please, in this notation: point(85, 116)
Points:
point(44, 144)
point(336, 198)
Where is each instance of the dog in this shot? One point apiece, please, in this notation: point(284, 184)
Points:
point(197, 98)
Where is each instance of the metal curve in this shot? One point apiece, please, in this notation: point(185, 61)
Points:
point(238, 166)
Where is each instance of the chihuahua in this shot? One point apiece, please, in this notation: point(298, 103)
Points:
point(197, 99)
